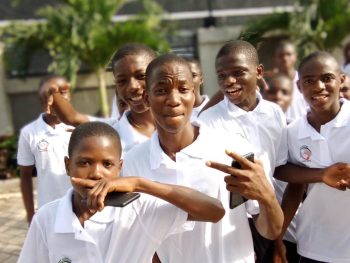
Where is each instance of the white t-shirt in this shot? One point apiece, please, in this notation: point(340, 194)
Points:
point(197, 110)
point(129, 234)
point(230, 239)
point(45, 147)
point(323, 219)
point(298, 106)
point(264, 127)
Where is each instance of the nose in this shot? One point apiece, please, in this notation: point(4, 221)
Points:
point(95, 172)
point(173, 98)
point(320, 84)
point(229, 80)
point(134, 85)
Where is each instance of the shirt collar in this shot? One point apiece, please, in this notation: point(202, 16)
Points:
point(66, 220)
point(44, 127)
point(235, 111)
point(342, 119)
point(157, 155)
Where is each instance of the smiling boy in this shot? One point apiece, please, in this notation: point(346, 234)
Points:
point(78, 228)
point(319, 140)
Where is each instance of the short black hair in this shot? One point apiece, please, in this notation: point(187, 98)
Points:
point(194, 61)
point(284, 43)
point(239, 46)
point(92, 129)
point(132, 49)
point(48, 78)
point(316, 55)
point(161, 60)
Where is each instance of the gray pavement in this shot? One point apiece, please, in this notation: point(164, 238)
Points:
point(13, 224)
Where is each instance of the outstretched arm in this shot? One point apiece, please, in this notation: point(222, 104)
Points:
point(199, 207)
point(336, 175)
point(64, 109)
point(250, 181)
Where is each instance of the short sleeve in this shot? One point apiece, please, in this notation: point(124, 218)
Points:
point(34, 249)
point(252, 207)
point(282, 147)
point(162, 219)
point(25, 156)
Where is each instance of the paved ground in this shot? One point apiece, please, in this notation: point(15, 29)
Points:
point(13, 225)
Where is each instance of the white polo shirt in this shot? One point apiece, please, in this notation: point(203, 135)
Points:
point(197, 110)
point(298, 105)
point(230, 239)
point(264, 127)
point(129, 136)
point(45, 147)
point(124, 235)
point(323, 219)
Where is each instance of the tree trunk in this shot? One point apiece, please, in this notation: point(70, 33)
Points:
point(103, 92)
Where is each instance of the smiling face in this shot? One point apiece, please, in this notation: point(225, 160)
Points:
point(129, 73)
point(237, 77)
point(320, 82)
point(170, 96)
point(94, 157)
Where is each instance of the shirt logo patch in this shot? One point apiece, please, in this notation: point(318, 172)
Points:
point(65, 260)
point(305, 153)
point(43, 145)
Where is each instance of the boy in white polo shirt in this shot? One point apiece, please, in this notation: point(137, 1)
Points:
point(78, 228)
point(42, 145)
point(136, 125)
point(243, 111)
point(320, 140)
point(177, 154)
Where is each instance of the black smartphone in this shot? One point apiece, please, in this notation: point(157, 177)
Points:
point(119, 199)
point(236, 199)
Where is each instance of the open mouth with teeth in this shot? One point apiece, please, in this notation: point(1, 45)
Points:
point(136, 100)
point(233, 92)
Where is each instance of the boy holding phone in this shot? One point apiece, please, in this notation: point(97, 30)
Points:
point(78, 228)
point(177, 154)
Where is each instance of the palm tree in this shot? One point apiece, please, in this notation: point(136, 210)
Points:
point(314, 25)
point(80, 32)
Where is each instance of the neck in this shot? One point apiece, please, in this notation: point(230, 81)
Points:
point(172, 143)
point(80, 209)
point(51, 120)
point(198, 100)
point(142, 122)
point(319, 118)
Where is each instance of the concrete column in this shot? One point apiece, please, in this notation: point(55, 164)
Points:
point(6, 126)
point(210, 41)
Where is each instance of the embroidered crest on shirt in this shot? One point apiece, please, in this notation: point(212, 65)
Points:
point(65, 260)
point(305, 153)
point(43, 145)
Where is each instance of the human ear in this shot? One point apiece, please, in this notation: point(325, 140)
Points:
point(259, 71)
point(146, 98)
point(342, 79)
point(66, 164)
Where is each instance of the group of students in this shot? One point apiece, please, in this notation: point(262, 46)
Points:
point(167, 146)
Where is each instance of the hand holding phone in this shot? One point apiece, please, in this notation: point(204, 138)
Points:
point(236, 199)
point(118, 199)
